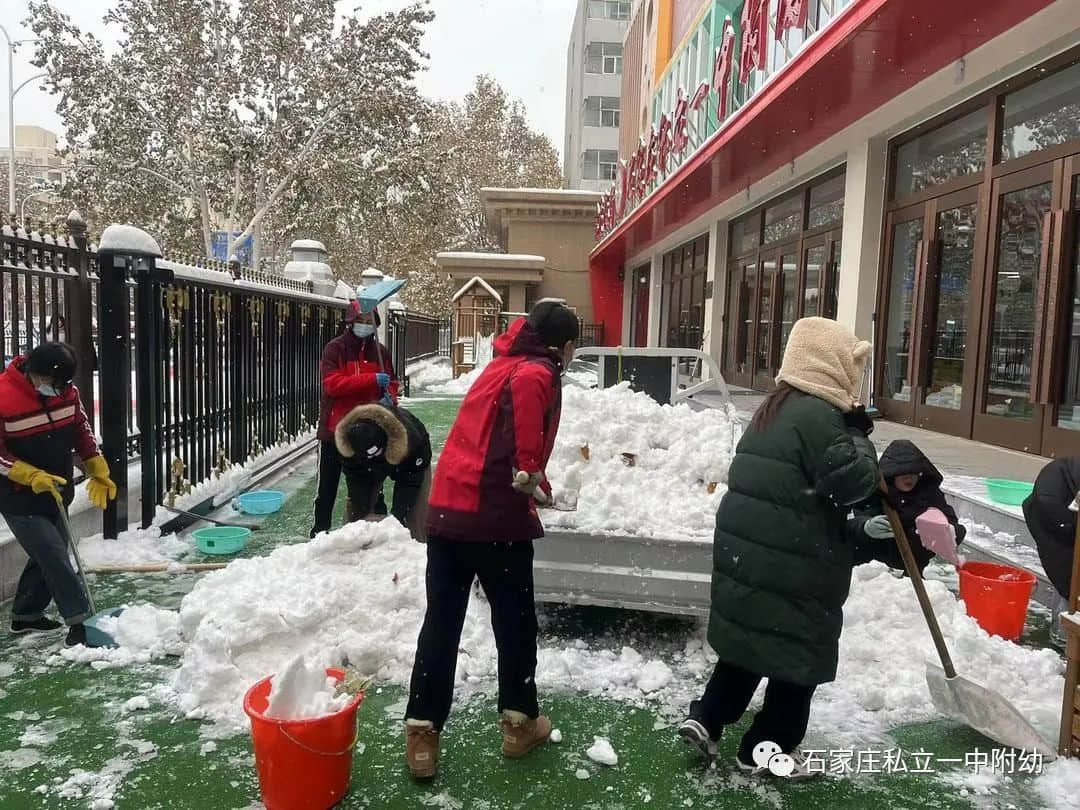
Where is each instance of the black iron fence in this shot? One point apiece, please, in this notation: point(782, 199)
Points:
point(177, 361)
point(427, 336)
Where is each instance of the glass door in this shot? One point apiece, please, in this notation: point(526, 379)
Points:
point(765, 338)
point(742, 300)
point(945, 367)
point(1061, 430)
point(1010, 410)
point(906, 257)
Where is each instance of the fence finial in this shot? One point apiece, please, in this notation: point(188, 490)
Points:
point(76, 225)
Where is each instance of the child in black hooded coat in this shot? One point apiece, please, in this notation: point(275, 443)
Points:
point(914, 486)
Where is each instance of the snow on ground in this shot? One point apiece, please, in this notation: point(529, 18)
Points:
point(133, 547)
point(431, 371)
point(357, 595)
point(679, 454)
point(458, 387)
point(975, 488)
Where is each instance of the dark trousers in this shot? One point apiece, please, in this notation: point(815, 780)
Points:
point(49, 575)
point(331, 466)
point(782, 719)
point(505, 571)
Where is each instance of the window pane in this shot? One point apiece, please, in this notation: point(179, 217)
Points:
point(906, 238)
point(789, 300)
point(956, 238)
point(744, 234)
point(1045, 114)
point(765, 317)
point(784, 219)
point(831, 287)
point(594, 57)
point(592, 164)
point(827, 203)
point(1015, 280)
point(815, 266)
point(597, 8)
point(953, 150)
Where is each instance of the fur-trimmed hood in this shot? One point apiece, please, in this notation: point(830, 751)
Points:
point(397, 437)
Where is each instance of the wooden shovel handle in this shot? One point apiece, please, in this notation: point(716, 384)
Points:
point(917, 581)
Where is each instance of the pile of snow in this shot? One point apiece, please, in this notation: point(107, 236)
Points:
point(133, 547)
point(355, 594)
point(300, 692)
point(678, 455)
point(459, 387)
point(143, 633)
point(429, 372)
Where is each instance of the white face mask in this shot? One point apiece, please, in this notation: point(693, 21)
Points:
point(47, 391)
point(363, 330)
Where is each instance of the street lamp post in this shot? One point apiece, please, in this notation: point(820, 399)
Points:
point(36, 195)
point(12, 90)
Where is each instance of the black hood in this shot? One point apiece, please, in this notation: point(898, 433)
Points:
point(903, 457)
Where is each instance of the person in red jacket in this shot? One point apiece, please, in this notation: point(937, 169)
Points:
point(42, 423)
point(356, 369)
point(481, 523)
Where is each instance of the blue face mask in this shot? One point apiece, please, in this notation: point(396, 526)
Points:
point(47, 391)
point(363, 330)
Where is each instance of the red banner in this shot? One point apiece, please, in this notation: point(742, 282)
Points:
point(722, 68)
point(755, 36)
point(791, 14)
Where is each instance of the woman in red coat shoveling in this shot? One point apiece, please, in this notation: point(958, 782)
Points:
point(481, 523)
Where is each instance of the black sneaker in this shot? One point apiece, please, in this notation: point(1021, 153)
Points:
point(694, 733)
point(76, 636)
point(40, 625)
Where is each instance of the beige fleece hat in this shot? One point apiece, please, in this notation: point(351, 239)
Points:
point(825, 359)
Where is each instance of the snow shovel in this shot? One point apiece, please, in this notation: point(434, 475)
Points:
point(958, 697)
point(95, 636)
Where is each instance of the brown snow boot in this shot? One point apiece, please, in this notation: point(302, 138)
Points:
point(421, 748)
point(521, 734)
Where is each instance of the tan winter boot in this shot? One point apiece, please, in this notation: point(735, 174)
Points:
point(421, 748)
point(521, 734)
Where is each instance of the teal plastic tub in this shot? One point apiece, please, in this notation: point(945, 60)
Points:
point(259, 502)
point(1009, 493)
point(221, 539)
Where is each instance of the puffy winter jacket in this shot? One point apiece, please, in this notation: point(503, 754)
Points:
point(507, 422)
point(43, 432)
point(348, 370)
point(784, 548)
point(1051, 522)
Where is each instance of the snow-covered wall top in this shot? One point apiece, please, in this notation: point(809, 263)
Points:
point(205, 275)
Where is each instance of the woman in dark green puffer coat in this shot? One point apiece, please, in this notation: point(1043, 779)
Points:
point(784, 547)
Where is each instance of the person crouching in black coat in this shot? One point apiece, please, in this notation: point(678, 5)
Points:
point(1053, 525)
point(914, 486)
point(377, 441)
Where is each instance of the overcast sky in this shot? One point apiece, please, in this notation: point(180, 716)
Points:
point(522, 43)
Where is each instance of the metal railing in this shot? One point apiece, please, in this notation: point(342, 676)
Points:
point(196, 362)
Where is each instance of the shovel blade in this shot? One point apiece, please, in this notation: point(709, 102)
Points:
point(96, 636)
point(984, 710)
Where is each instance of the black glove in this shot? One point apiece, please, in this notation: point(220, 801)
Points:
point(857, 418)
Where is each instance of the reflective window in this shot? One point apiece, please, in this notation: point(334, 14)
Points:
point(953, 150)
point(1042, 115)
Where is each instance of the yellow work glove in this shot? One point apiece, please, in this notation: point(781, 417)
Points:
point(100, 487)
point(39, 481)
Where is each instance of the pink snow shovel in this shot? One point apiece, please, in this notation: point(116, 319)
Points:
point(958, 697)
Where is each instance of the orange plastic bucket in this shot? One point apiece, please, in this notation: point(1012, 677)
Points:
point(302, 764)
point(997, 597)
